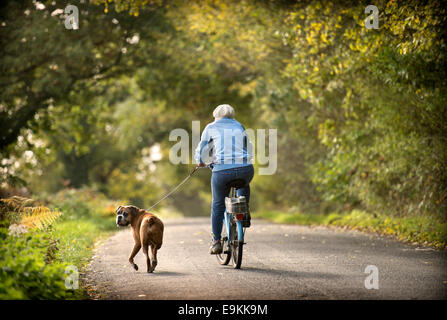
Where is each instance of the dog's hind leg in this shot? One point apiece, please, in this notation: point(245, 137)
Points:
point(154, 257)
point(145, 243)
point(135, 250)
point(146, 253)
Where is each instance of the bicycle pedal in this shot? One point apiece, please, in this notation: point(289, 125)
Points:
point(227, 251)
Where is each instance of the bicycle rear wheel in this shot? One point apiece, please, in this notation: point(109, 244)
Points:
point(236, 248)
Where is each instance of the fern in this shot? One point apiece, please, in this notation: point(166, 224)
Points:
point(20, 209)
point(38, 217)
point(16, 203)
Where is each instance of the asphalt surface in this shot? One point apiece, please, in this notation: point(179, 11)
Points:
point(280, 262)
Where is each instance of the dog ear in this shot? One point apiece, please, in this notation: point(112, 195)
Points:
point(134, 210)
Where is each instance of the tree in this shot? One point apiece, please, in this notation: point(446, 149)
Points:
point(43, 63)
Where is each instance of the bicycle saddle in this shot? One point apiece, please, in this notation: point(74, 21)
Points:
point(237, 183)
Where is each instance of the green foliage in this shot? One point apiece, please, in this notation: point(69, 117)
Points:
point(25, 272)
point(133, 7)
point(45, 65)
point(378, 109)
point(88, 216)
point(33, 263)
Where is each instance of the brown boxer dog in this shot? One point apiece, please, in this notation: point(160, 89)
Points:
point(147, 230)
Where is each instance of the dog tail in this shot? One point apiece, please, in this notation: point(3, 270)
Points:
point(151, 221)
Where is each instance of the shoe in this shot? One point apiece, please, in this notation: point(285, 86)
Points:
point(246, 223)
point(216, 247)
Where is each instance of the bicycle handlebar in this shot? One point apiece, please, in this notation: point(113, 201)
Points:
point(209, 165)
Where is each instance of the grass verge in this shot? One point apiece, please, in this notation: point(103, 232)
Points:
point(40, 251)
point(420, 230)
point(87, 218)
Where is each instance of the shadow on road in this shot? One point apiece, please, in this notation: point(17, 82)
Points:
point(289, 273)
point(165, 273)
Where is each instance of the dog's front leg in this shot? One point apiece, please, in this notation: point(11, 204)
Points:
point(136, 248)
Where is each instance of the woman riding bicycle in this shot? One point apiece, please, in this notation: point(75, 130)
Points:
point(227, 142)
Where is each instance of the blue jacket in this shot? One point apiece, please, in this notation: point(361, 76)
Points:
point(224, 142)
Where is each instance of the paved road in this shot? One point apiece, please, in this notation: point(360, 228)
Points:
point(280, 262)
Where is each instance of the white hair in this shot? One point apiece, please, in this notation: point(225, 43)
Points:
point(223, 110)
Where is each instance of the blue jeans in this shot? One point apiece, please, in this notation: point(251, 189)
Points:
point(220, 190)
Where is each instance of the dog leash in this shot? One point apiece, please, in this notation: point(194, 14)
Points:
point(173, 190)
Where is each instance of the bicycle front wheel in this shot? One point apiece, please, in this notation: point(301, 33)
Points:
point(236, 248)
point(224, 257)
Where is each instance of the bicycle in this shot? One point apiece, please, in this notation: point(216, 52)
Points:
point(233, 239)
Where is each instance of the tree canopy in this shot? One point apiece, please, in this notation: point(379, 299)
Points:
point(360, 112)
